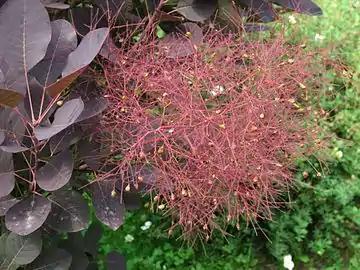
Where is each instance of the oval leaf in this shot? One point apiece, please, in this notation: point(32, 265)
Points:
point(86, 18)
point(303, 6)
point(74, 244)
point(92, 266)
point(92, 238)
point(254, 27)
point(65, 138)
point(2, 136)
point(63, 42)
point(23, 250)
point(13, 147)
point(92, 107)
point(108, 209)
point(112, 6)
point(79, 59)
point(87, 50)
point(12, 124)
point(3, 259)
point(70, 212)
point(80, 260)
point(91, 153)
point(55, 4)
point(183, 41)
point(7, 178)
point(110, 51)
point(115, 261)
point(260, 10)
point(27, 215)
point(196, 10)
point(26, 25)
point(64, 117)
point(57, 172)
point(55, 259)
point(132, 201)
point(10, 98)
point(6, 203)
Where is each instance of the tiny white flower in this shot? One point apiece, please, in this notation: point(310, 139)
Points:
point(292, 19)
point(213, 93)
point(148, 224)
point(339, 154)
point(129, 238)
point(171, 130)
point(218, 90)
point(319, 37)
point(288, 263)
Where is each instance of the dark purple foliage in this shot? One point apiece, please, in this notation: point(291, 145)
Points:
point(47, 120)
point(39, 61)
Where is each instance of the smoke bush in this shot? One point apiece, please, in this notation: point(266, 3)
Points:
point(219, 130)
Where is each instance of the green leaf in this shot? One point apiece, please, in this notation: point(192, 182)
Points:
point(159, 32)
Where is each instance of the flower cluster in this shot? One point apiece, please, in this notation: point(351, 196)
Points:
point(219, 129)
point(146, 225)
point(288, 262)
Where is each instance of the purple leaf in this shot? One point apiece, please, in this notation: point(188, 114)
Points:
point(196, 10)
point(27, 215)
point(79, 261)
point(7, 177)
point(254, 27)
point(12, 124)
point(303, 6)
point(2, 136)
point(93, 266)
point(85, 19)
point(63, 42)
point(55, 4)
point(131, 200)
point(56, 173)
point(115, 261)
point(92, 108)
point(70, 212)
point(6, 203)
point(64, 117)
point(55, 89)
point(113, 6)
point(110, 51)
point(108, 209)
point(13, 146)
point(91, 94)
point(92, 238)
point(148, 175)
point(26, 32)
point(74, 244)
point(87, 50)
point(91, 153)
point(260, 9)
point(53, 259)
point(79, 59)
point(65, 138)
point(22, 250)
point(183, 41)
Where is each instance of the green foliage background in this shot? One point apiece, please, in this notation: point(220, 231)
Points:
point(321, 226)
